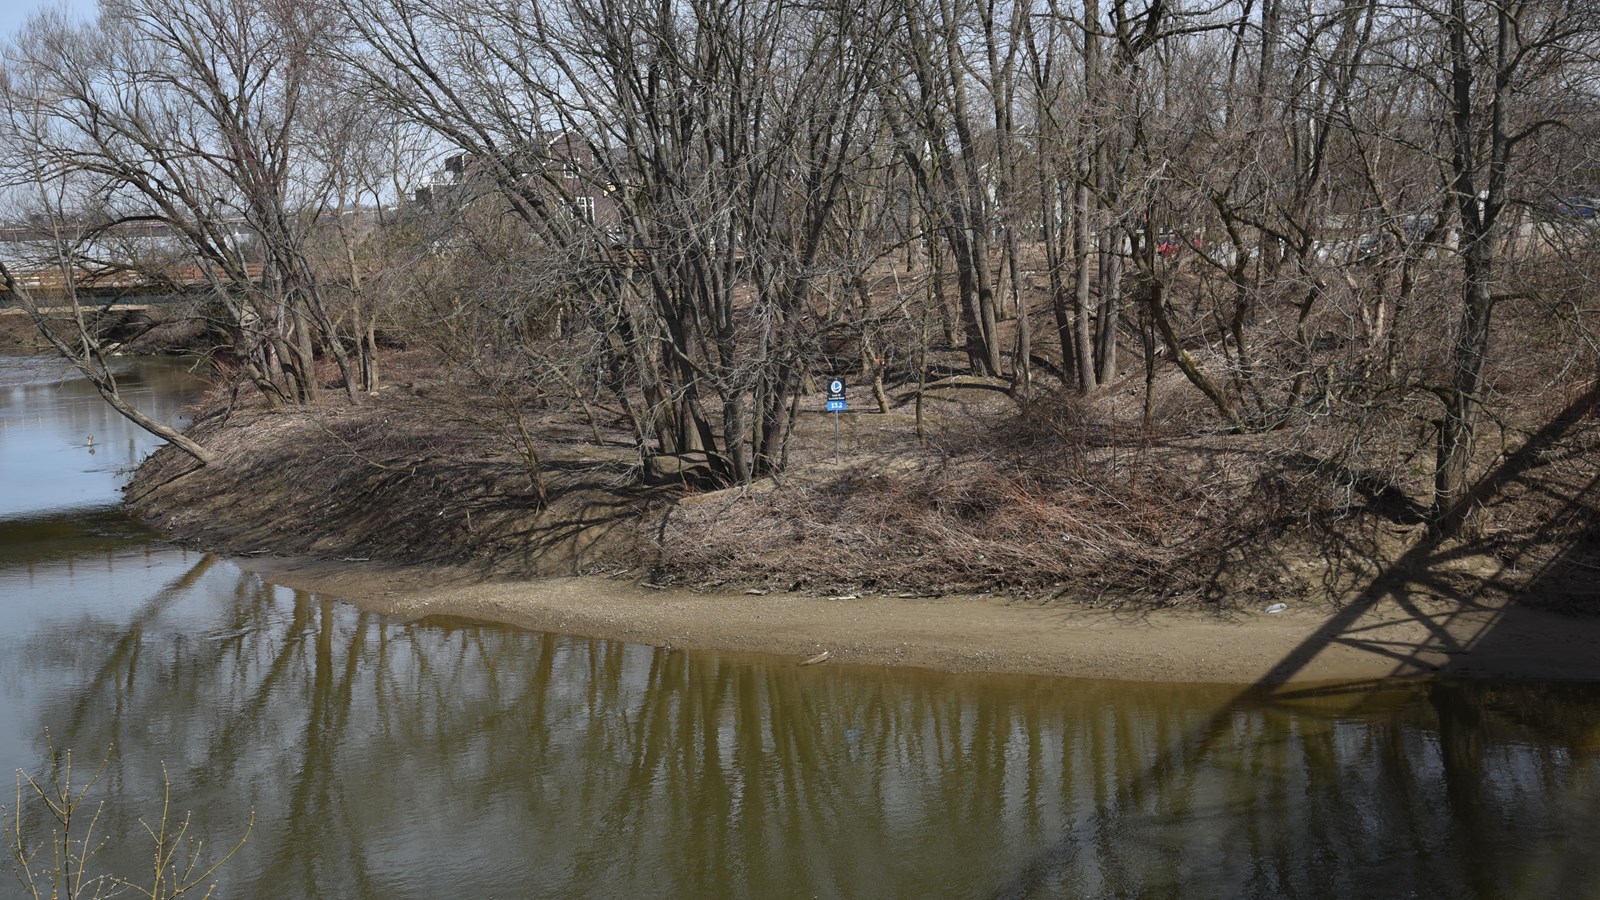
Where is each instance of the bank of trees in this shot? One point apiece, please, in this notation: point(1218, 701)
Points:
point(223, 123)
point(1311, 209)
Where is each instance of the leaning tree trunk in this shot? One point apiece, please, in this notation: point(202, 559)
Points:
point(89, 362)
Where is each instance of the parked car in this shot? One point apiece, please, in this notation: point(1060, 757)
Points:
point(1169, 242)
point(1374, 243)
point(1578, 207)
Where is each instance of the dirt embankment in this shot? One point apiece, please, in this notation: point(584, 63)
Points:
point(1121, 559)
point(408, 479)
point(422, 475)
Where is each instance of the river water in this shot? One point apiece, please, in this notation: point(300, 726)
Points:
point(384, 758)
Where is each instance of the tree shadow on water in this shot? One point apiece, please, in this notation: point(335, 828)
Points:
point(1453, 612)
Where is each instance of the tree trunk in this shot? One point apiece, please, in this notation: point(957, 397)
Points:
point(1110, 277)
point(1451, 483)
point(1081, 301)
point(89, 362)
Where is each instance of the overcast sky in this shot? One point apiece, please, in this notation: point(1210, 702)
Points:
point(15, 12)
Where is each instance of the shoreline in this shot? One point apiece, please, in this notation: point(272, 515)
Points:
point(385, 506)
point(1433, 638)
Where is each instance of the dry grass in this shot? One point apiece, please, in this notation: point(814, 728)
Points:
point(413, 476)
point(1071, 505)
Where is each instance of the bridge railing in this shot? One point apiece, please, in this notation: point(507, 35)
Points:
point(55, 284)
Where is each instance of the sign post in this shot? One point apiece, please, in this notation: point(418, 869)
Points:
point(836, 405)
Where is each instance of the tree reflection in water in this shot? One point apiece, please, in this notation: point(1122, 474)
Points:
point(445, 758)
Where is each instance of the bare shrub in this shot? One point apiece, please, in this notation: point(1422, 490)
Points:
point(53, 838)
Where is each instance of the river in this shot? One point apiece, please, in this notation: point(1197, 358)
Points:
point(384, 758)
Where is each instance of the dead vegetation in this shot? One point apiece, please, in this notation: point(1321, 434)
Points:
point(1140, 493)
point(415, 476)
point(1045, 502)
point(1052, 498)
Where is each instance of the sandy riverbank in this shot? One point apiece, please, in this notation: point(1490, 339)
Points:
point(1372, 637)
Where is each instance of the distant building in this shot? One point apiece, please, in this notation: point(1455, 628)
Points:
point(562, 163)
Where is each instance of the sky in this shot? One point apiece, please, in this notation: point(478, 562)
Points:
point(13, 13)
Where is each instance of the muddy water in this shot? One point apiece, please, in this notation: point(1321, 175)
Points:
point(383, 758)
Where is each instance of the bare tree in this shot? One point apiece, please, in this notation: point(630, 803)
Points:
point(49, 292)
point(190, 113)
point(1498, 56)
point(720, 142)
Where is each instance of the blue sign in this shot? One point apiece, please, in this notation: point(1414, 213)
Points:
point(836, 406)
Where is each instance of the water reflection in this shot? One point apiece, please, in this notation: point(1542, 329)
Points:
point(441, 758)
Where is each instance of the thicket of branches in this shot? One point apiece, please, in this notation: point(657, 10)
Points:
point(1320, 212)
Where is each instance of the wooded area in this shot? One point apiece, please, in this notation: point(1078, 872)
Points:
point(1369, 223)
